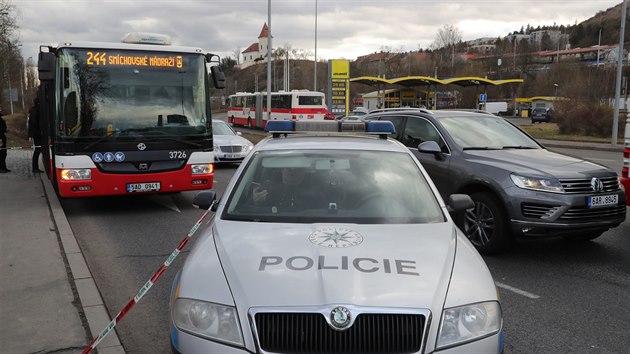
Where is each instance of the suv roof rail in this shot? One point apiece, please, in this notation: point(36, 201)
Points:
point(398, 109)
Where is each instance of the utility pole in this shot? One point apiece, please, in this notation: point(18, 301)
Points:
point(269, 60)
point(315, 69)
point(615, 127)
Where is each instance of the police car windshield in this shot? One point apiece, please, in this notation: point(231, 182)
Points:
point(332, 186)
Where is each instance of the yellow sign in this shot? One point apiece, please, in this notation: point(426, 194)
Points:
point(408, 95)
point(340, 69)
point(102, 58)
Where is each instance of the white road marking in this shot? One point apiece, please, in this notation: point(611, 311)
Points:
point(516, 290)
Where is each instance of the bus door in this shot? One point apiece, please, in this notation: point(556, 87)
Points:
point(260, 98)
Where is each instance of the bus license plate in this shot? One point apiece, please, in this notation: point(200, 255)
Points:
point(602, 200)
point(143, 187)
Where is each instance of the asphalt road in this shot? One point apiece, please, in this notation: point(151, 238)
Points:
point(557, 296)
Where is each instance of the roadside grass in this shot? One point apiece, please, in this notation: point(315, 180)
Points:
point(552, 132)
point(17, 135)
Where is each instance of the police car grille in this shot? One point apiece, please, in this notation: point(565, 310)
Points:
point(231, 148)
point(583, 185)
point(310, 333)
point(583, 213)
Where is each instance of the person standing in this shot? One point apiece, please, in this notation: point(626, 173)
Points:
point(35, 134)
point(3, 145)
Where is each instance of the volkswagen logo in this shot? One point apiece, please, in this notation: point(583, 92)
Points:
point(340, 317)
point(141, 146)
point(597, 184)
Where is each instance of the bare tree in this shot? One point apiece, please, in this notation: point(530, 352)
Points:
point(237, 54)
point(448, 36)
point(444, 45)
point(10, 56)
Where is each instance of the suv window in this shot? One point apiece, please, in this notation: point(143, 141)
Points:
point(398, 124)
point(418, 130)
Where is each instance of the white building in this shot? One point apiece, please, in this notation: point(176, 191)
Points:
point(257, 51)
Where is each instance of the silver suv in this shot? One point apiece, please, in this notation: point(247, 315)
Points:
point(519, 187)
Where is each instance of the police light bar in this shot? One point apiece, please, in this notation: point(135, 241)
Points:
point(277, 127)
point(146, 38)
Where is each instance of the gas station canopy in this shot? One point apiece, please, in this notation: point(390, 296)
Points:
point(415, 81)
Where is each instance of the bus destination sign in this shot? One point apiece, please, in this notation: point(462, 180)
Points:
point(103, 58)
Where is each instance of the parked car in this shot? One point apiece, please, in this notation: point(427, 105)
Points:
point(229, 145)
point(520, 188)
point(333, 243)
point(541, 115)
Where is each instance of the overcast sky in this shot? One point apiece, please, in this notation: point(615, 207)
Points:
point(345, 28)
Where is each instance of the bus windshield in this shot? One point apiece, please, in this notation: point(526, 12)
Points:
point(130, 93)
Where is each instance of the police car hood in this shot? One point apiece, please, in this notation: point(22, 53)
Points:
point(313, 264)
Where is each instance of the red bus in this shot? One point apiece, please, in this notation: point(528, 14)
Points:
point(249, 109)
point(130, 117)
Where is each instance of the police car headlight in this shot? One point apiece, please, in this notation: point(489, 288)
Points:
point(468, 323)
point(76, 174)
point(208, 320)
point(248, 147)
point(537, 183)
point(203, 169)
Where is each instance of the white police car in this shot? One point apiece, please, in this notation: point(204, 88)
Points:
point(333, 242)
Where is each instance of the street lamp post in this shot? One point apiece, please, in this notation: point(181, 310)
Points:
point(599, 42)
point(315, 63)
point(615, 128)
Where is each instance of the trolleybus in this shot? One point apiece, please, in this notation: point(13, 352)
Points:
point(129, 117)
point(250, 109)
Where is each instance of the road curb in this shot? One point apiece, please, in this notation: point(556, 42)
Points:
point(90, 298)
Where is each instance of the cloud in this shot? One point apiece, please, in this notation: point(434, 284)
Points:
point(345, 28)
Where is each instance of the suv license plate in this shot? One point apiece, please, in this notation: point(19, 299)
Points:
point(143, 187)
point(602, 200)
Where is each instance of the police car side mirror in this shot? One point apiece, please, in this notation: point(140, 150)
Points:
point(205, 199)
point(457, 205)
point(459, 202)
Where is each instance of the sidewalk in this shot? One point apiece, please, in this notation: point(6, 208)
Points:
point(49, 302)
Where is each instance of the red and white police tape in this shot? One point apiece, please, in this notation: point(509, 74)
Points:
point(146, 286)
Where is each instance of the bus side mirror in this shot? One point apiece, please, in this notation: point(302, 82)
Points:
point(46, 66)
point(218, 78)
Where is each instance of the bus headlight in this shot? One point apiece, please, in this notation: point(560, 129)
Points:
point(76, 174)
point(205, 319)
point(202, 169)
point(468, 323)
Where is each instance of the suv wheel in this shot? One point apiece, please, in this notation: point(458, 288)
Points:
point(486, 224)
